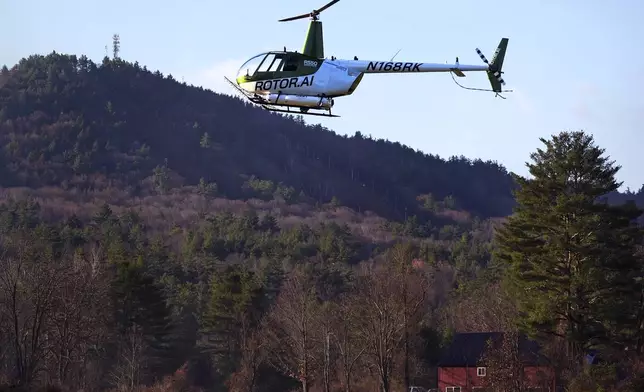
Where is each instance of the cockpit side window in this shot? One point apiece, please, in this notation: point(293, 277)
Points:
point(276, 66)
point(271, 65)
point(290, 64)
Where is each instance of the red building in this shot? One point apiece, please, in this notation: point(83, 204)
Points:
point(462, 368)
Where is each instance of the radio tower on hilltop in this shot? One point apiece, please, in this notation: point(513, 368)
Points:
point(116, 46)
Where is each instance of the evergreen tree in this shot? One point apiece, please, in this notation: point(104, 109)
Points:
point(141, 303)
point(161, 177)
point(231, 314)
point(205, 140)
point(570, 257)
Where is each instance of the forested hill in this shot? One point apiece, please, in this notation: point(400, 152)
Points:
point(66, 120)
point(130, 266)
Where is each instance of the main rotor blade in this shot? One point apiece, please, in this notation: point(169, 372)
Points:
point(326, 6)
point(296, 17)
point(310, 14)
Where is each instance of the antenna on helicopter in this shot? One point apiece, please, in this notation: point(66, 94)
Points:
point(313, 14)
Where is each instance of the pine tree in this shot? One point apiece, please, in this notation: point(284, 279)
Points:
point(140, 303)
point(231, 314)
point(161, 176)
point(569, 256)
point(205, 140)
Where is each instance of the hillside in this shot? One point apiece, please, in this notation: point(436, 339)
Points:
point(170, 223)
point(67, 120)
point(133, 171)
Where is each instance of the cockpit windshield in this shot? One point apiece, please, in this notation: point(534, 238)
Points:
point(265, 62)
point(250, 66)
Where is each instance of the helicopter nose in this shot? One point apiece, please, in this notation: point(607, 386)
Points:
point(241, 80)
point(245, 85)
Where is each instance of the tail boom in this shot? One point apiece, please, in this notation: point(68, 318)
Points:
point(493, 69)
point(368, 67)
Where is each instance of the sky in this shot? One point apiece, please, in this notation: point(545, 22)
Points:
point(573, 64)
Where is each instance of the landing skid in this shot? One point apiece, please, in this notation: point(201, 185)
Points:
point(274, 109)
point(259, 101)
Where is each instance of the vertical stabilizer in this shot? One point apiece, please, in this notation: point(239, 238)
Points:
point(496, 66)
point(314, 43)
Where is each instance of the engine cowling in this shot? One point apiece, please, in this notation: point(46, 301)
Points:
point(305, 101)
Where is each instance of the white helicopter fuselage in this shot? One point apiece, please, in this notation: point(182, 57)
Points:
point(336, 78)
point(330, 80)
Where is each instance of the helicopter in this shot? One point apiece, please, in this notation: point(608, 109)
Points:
point(310, 82)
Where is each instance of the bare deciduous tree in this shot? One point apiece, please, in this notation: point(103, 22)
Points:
point(290, 328)
point(126, 374)
point(28, 281)
point(77, 321)
point(413, 299)
point(390, 303)
point(482, 308)
point(254, 353)
point(380, 320)
point(349, 345)
point(324, 332)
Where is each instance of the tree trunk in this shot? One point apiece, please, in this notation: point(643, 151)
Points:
point(385, 382)
point(406, 336)
point(326, 365)
point(407, 380)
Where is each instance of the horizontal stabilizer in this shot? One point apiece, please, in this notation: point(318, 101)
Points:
point(458, 72)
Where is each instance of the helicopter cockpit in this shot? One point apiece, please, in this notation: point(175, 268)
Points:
point(272, 65)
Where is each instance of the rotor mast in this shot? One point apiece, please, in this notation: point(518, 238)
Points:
point(314, 43)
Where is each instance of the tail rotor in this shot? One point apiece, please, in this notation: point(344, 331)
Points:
point(494, 71)
point(495, 68)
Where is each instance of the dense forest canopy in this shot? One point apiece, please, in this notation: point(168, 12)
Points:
point(162, 236)
point(117, 121)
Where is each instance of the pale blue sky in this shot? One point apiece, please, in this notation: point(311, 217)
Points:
point(574, 64)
